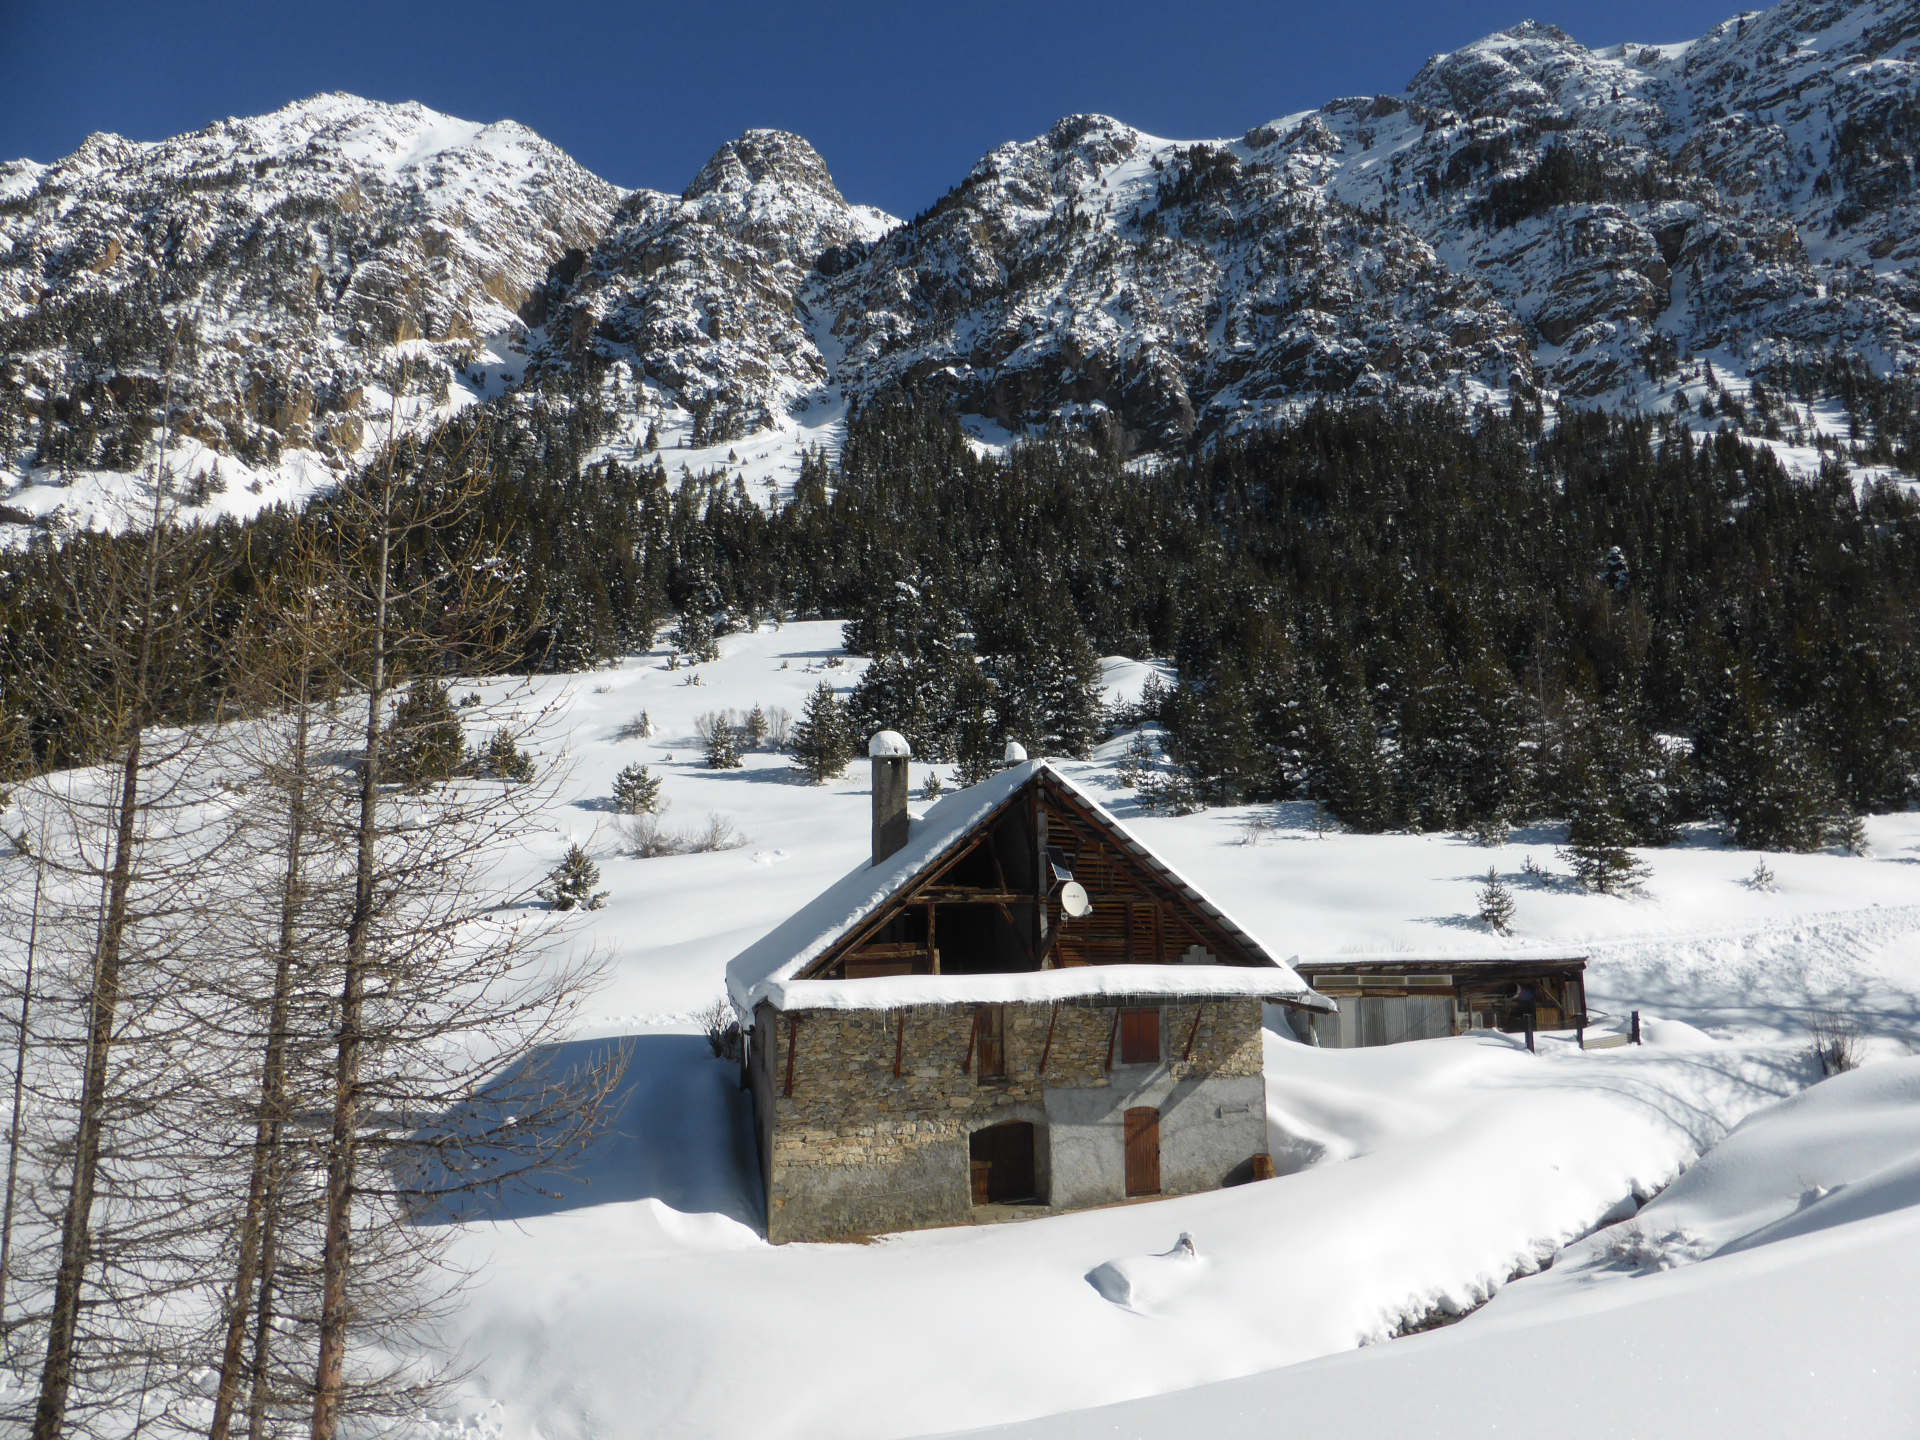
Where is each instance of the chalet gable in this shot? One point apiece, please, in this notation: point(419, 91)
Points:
point(1021, 875)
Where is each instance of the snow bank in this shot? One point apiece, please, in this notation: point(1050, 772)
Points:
point(1797, 1319)
point(1472, 1160)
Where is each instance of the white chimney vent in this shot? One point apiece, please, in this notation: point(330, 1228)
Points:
point(1016, 753)
point(889, 745)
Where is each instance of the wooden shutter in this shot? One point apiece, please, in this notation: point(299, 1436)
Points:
point(1139, 1037)
point(992, 1042)
point(1143, 1151)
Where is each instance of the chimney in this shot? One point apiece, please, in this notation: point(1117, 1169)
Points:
point(891, 756)
point(1015, 754)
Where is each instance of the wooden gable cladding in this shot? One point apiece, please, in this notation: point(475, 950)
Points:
point(988, 902)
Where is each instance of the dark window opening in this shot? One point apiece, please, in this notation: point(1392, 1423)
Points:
point(1001, 1161)
point(984, 939)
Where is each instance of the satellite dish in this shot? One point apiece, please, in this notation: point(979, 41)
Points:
point(1073, 900)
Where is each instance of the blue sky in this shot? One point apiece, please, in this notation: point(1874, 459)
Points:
point(900, 99)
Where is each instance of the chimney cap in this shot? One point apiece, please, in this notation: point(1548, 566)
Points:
point(1016, 753)
point(889, 745)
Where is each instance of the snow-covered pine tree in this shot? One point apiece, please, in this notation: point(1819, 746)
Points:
point(694, 636)
point(1849, 832)
point(505, 760)
point(571, 883)
point(636, 791)
point(1777, 794)
point(1138, 760)
point(1496, 903)
point(822, 745)
point(723, 745)
point(425, 743)
point(1597, 841)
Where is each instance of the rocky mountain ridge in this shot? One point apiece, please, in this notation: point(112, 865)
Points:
point(1530, 218)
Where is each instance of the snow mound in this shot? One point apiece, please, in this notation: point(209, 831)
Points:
point(1145, 1283)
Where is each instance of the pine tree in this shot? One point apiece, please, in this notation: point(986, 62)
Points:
point(505, 760)
point(1496, 904)
point(694, 635)
point(723, 745)
point(1849, 833)
point(571, 882)
point(636, 791)
point(424, 740)
point(821, 743)
point(1138, 761)
point(1777, 793)
point(977, 745)
point(1597, 841)
point(755, 727)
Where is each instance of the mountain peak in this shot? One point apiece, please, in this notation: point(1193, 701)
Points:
point(765, 157)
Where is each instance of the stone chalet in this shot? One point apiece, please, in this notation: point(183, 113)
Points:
point(1016, 1008)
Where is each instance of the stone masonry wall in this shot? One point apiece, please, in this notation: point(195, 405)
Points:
point(856, 1149)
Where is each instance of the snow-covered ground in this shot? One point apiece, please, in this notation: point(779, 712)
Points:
point(640, 1298)
point(1770, 1291)
point(1772, 1284)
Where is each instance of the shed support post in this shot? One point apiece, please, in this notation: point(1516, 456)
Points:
point(1636, 1027)
point(793, 1037)
point(1112, 1035)
point(899, 1042)
point(966, 1062)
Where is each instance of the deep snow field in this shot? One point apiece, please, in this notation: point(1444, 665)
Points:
point(1772, 1287)
point(1773, 1283)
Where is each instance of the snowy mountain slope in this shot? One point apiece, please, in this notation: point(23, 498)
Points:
point(1099, 268)
point(1747, 194)
point(1530, 216)
point(307, 251)
point(699, 295)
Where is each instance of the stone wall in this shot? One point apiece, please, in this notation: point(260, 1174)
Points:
point(856, 1149)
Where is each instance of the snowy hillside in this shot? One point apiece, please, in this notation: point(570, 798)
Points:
point(634, 1293)
point(638, 1296)
point(1769, 1291)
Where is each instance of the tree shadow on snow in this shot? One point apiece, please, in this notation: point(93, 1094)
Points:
point(675, 1127)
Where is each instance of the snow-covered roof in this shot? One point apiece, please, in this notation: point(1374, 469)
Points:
point(1436, 959)
point(785, 952)
point(1078, 982)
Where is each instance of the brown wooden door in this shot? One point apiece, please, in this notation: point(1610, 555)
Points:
point(1143, 1151)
